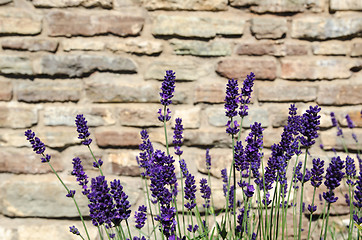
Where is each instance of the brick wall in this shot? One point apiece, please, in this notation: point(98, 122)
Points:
point(105, 59)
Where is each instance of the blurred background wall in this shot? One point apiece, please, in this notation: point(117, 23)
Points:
point(106, 59)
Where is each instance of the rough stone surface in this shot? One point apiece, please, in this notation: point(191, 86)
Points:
point(315, 68)
point(19, 21)
point(82, 44)
point(117, 138)
point(59, 137)
point(5, 1)
point(330, 140)
point(139, 116)
point(137, 46)
point(202, 27)
point(17, 116)
point(26, 162)
point(259, 49)
point(280, 6)
point(207, 138)
point(49, 91)
point(124, 163)
point(193, 5)
point(85, 24)
point(10, 64)
point(330, 49)
point(65, 115)
point(210, 93)
point(79, 65)
point(191, 117)
point(73, 3)
point(336, 5)
point(238, 68)
point(186, 69)
point(339, 94)
point(272, 28)
point(30, 44)
point(356, 49)
point(287, 93)
point(243, 3)
point(321, 28)
point(6, 90)
point(201, 48)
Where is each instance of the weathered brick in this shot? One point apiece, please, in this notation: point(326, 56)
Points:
point(30, 44)
point(260, 49)
point(138, 46)
point(203, 27)
point(6, 90)
point(79, 65)
point(336, 5)
point(356, 49)
point(215, 138)
point(334, 48)
point(339, 94)
point(201, 48)
point(280, 6)
point(17, 116)
point(82, 44)
point(124, 163)
point(86, 24)
point(238, 68)
point(10, 64)
point(326, 68)
point(272, 28)
point(65, 115)
point(193, 5)
point(191, 117)
point(290, 93)
point(322, 28)
point(139, 116)
point(18, 21)
point(185, 69)
point(49, 91)
point(26, 162)
point(210, 93)
point(330, 140)
point(117, 138)
point(73, 3)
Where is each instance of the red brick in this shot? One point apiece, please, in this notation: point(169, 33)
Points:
point(238, 68)
point(118, 138)
point(260, 49)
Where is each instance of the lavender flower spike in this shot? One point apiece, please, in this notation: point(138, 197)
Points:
point(309, 126)
point(141, 216)
point(168, 88)
point(82, 177)
point(333, 177)
point(231, 99)
point(208, 159)
point(246, 94)
point(205, 191)
point(82, 129)
point(37, 145)
point(190, 190)
point(74, 230)
point(177, 137)
point(350, 123)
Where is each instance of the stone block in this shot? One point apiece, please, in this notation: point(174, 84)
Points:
point(356, 49)
point(210, 93)
point(12, 160)
point(349, 5)
point(339, 94)
point(30, 44)
point(202, 27)
point(287, 93)
point(260, 49)
point(330, 140)
point(137, 46)
point(10, 64)
point(85, 24)
point(2, 2)
point(285, 6)
point(65, 115)
point(117, 138)
point(72, 3)
point(58, 137)
point(139, 116)
point(18, 116)
point(243, 3)
point(201, 48)
point(124, 163)
point(334, 48)
point(185, 69)
point(6, 90)
point(191, 117)
point(355, 115)
point(82, 64)
point(322, 28)
point(49, 91)
point(18, 21)
point(82, 44)
point(214, 138)
point(238, 68)
point(272, 28)
point(310, 68)
point(193, 5)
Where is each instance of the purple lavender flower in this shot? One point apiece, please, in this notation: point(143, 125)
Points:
point(252, 153)
point(350, 123)
point(232, 127)
point(141, 216)
point(192, 229)
point(74, 230)
point(317, 172)
point(137, 238)
point(177, 137)
point(167, 220)
point(306, 178)
point(297, 173)
point(309, 126)
point(71, 193)
point(37, 145)
point(312, 208)
point(240, 227)
point(350, 170)
point(246, 94)
point(346, 197)
point(240, 160)
point(190, 190)
point(168, 88)
point(163, 117)
point(82, 129)
point(231, 99)
point(358, 192)
point(97, 164)
point(121, 209)
point(335, 124)
point(208, 159)
point(231, 198)
point(205, 191)
point(249, 191)
point(224, 177)
point(145, 157)
point(183, 168)
point(356, 219)
point(82, 177)
point(333, 178)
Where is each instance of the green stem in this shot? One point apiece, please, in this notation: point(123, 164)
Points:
point(165, 129)
point(301, 195)
point(311, 214)
point(95, 159)
point(326, 226)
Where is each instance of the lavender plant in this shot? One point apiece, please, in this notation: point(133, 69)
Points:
point(258, 211)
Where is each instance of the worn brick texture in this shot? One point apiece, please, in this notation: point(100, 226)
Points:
point(106, 59)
